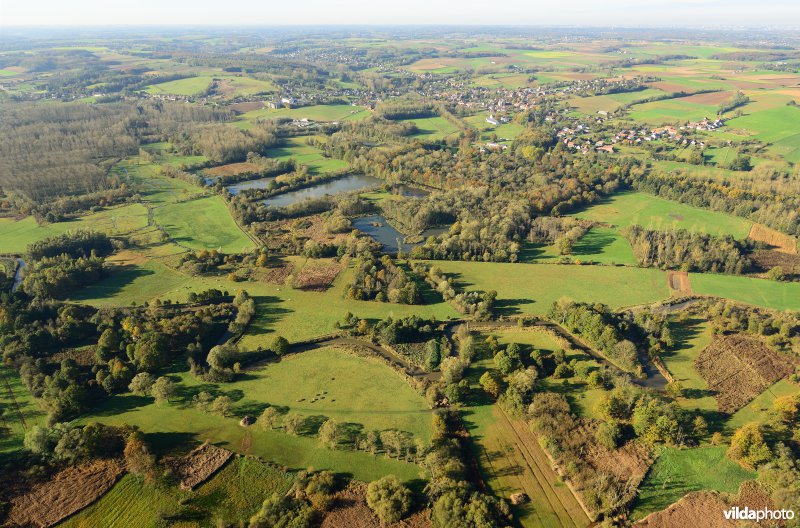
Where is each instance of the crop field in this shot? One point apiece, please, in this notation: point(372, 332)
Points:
point(303, 153)
point(169, 426)
point(532, 288)
point(16, 235)
point(737, 368)
point(204, 223)
point(677, 472)
point(233, 495)
point(652, 212)
point(758, 292)
point(604, 245)
point(313, 113)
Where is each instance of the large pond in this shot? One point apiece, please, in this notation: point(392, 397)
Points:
point(382, 231)
point(354, 182)
point(261, 183)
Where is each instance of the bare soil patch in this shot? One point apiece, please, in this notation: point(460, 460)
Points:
point(350, 510)
point(317, 276)
point(713, 98)
point(67, 492)
point(241, 108)
point(196, 467)
point(779, 241)
point(678, 282)
point(739, 368)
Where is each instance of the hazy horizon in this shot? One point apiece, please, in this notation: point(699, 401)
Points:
point(784, 14)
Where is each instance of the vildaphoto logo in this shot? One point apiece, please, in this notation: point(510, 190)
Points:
point(746, 514)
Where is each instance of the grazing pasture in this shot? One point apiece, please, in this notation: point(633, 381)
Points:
point(299, 150)
point(604, 245)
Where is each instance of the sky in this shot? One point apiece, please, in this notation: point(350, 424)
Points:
point(619, 13)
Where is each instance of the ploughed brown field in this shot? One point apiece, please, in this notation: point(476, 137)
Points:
point(196, 467)
point(738, 368)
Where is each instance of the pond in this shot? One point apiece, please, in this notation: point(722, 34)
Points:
point(354, 182)
point(382, 231)
point(261, 183)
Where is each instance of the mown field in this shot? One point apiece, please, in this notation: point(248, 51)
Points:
point(691, 337)
point(758, 410)
point(677, 472)
point(20, 411)
point(604, 245)
point(532, 288)
point(434, 127)
point(233, 495)
point(758, 292)
point(358, 385)
point(652, 212)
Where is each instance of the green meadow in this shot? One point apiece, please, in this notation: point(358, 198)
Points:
point(691, 337)
point(298, 149)
point(532, 288)
point(16, 235)
point(314, 113)
point(434, 127)
point(758, 292)
point(604, 245)
point(357, 384)
point(203, 223)
point(232, 495)
point(677, 472)
point(652, 212)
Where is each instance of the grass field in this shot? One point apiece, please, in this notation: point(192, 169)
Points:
point(172, 425)
point(15, 236)
point(314, 113)
point(758, 409)
point(691, 337)
point(758, 292)
point(652, 212)
point(778, 126)
point(604, 245)
point(233, 495)
point(204, 223)
point(677, 472)
point(434, 127)
point(298, 149)
point(21, 412)
point(187, 86)
point(356, 390)
point(532, 288)
point(280, 310)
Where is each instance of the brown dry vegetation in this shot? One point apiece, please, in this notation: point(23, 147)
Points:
point(196, 467)
point(780, 241)
point(350, 510)
point(703, 509)
point(232, 169)
point(738, 368)
point(713, 98)
point(67, 492)
point(277, 274)
point(767, 259)
point(317, 276)
point(678, 282)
